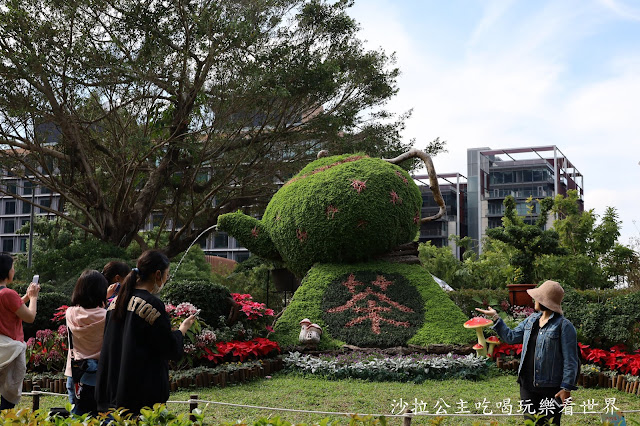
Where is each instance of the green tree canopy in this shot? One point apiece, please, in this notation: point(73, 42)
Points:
point(596, 259)
point(528, 241)
point(187, 109)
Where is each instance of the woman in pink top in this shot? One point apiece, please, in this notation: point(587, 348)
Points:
point(85, 324)
point(12, 312)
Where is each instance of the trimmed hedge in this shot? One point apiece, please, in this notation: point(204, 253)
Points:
point(214, 299)
point(338, 209)
point(604, 322)
point(441, 323)
point(47, 305)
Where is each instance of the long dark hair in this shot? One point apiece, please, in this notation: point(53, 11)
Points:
point(148, 263)
point(114, 268)
point(6, 262)
point(90, 290)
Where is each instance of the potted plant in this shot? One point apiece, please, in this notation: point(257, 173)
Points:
point(528, 243)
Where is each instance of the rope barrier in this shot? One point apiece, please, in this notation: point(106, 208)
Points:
point(193, 402)
point(202, 401)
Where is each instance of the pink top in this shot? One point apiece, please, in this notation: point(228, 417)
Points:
point(87, 327)
point(10, 323)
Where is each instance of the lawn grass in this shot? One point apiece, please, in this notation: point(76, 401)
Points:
point(315, 394)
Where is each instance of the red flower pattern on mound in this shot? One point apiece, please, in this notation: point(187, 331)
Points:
point(371, 311)
point(395, 199)
point(359, 185)
point(401, 176)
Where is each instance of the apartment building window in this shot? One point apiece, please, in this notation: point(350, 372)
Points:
point(45, 190)
point(27, 188)
point(22, 243)
point(26, 207)
point(241, 257)
point(7, 245)
point(9, 226)
point(12, 188)
point(24, 222)
point(10, 207)
point(221, 240)
point(45, 203)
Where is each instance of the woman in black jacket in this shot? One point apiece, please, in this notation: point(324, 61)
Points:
point(133, 371)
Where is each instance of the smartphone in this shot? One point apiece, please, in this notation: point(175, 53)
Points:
point(35, 279)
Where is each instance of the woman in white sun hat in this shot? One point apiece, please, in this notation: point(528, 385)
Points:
point(549, 359)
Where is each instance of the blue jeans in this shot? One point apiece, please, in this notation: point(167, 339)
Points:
point(72, 395)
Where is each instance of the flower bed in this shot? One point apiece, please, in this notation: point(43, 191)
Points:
point(378, 367)
point(613, 368)
point(208, 353)
point(221, 375)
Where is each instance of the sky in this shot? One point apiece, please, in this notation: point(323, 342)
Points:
point(509, 74)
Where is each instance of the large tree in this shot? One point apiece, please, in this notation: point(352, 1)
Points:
point(185, 108)
point(597, 259)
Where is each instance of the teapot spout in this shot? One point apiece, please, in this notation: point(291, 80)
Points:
point(250, 233)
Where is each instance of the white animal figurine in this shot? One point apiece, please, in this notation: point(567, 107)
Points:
point(304, 324)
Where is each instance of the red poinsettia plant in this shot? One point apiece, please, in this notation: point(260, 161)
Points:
point(201, 343)
point(48, 350)
point(254, 315)
point(507, 349)
point(617, 358)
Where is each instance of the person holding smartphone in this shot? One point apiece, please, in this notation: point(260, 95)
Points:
point(13, 310)
point(115, 272)
point(133, 371)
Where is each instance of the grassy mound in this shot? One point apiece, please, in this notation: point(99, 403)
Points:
point(375, 304)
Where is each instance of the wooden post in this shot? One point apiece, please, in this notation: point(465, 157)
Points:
point(192, 406)
point(406, 420)
point(36, 397)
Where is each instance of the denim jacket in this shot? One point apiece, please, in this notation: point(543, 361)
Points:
point(556, 351)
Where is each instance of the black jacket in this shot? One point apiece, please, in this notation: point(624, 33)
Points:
point(133, 371)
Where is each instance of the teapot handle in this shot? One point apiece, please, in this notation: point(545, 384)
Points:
point(433, 178)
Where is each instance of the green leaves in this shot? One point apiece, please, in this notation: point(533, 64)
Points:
point(164, 107)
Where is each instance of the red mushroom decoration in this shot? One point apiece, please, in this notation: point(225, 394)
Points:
point(480, 350)
point(478, 323)
point(493, 341)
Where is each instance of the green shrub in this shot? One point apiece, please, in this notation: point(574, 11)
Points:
point(442, 321)
point(467, 299)
point(214, 299)
point(47, 305)
point(59, 265)
point(253, 276)
point(193, 266)
point(605, 324)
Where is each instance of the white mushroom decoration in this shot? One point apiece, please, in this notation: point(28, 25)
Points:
point(304, 324)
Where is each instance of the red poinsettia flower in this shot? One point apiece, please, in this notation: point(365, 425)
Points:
point(59, 314)
point(597, 355)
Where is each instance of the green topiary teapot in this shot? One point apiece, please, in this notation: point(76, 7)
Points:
point(338, 209)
